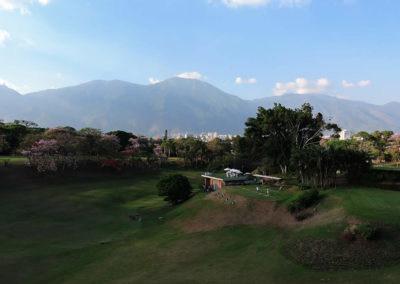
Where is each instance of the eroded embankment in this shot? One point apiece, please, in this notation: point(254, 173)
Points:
point(252, 212)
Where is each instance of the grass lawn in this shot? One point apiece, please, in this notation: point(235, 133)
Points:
point(250, 191)
point(79, 232)
point(371, 204)
point(387, 167)
point(13, 159)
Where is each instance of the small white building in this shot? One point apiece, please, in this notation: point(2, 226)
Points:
point(345, 135)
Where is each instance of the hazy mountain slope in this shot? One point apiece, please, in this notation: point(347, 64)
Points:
point(176, 104)
point(351, 115)
point(179, 105)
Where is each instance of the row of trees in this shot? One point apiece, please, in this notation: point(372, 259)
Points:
point(64, 147)
point(383, 146)
point(291, 141)
point(69, 146)
point(279, 139)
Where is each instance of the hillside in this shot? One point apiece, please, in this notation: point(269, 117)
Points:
point(77, 230)
point(179, 105)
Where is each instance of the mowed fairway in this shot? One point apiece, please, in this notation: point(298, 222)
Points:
point(79, 232)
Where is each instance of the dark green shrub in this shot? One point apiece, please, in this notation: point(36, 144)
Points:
point(366, 231)
point(303, 200)
point(175, 187)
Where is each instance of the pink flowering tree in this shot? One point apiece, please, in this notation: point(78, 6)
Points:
point(145, 148)
point(43, 155)
point(159, 153)
point(135, 150)
point(68, 146)
point(140, 145)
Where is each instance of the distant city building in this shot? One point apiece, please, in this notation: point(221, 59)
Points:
point(206, 137)
point(345, 135)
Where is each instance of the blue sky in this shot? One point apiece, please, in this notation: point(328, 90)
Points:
point(250, 48)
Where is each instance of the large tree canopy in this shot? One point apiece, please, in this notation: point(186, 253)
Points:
point(275, 132)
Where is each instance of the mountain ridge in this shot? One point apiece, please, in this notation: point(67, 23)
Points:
point(176, 104)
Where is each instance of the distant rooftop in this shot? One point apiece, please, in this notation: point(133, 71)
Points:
point(223, 177)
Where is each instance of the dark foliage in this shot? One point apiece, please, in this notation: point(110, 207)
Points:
point(123, 137)
point(276, 132)
point(175, 187)
point(367, 231)
point(303, 200)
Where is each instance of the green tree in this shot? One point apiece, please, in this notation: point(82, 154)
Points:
point(175, 187)
point(317, 166)
point(92, 139)
point(169, 147)
point(26, 123)
point(274, 132)
point(14, 135)
point(165, 135)
point(123, 138)
point(3, 143)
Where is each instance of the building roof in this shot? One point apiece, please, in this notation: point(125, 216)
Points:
point(240, 178)
point(269, 177)
point(207, 176)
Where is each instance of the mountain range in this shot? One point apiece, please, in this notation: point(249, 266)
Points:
point(177, 104)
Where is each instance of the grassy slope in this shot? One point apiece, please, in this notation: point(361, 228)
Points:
point(13, 159)
point(53, 234)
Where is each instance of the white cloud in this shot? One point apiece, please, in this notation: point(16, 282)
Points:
point(359, 84)
point(302, 86)
point(190, 75)
point(364, 83)
point(294, 3)
point(254, 3)
point(59, 75)
point(4, 35)
point(154, 81)
point(240, 80)
point(237, 3)
point(347, 84)
point(21, 5)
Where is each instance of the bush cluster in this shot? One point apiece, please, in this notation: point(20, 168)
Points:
point(303, 200)
point(366, 231)
point(175, 187)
